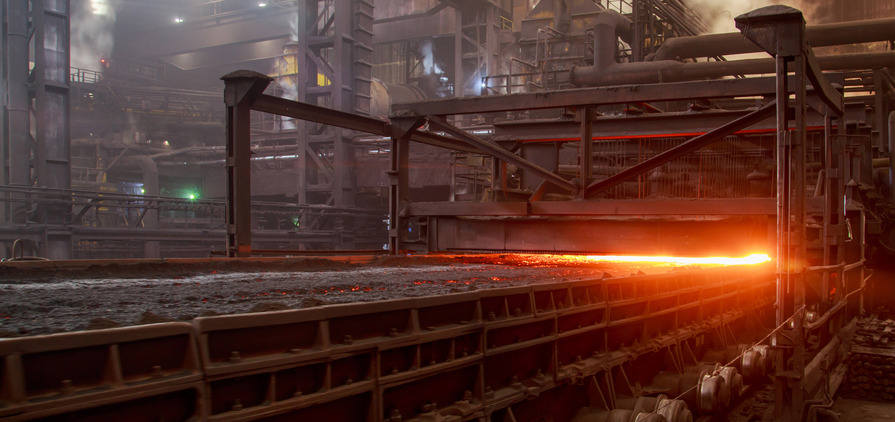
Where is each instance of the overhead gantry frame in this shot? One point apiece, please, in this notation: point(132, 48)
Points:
point(834, 278)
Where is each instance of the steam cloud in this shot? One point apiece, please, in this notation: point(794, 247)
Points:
point(720, 13)
point(91, 32)
point(427, 50)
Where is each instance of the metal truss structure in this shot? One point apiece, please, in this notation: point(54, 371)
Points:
point(817, 261)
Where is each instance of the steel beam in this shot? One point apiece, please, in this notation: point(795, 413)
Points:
point(650, 125)
point(635, 235)
point(499, 152)
point(640, 207)
point(351, 121)
point(648, 90)
point(829, 95)
point(685, 148)
point(581, 97)
point(185, 38)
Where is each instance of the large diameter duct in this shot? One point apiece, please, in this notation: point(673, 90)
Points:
point(714, 45)
point(675, 71)
point(385, 94)
point(606, 72)
point(610, 25)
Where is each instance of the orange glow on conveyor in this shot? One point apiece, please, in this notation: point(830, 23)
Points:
point(673, 260)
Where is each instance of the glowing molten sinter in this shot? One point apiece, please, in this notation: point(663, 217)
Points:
point(677, 260)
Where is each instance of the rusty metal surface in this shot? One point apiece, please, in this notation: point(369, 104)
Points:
point(461, 356)
point(465, 354)
point(674, 236)
point(107, 372)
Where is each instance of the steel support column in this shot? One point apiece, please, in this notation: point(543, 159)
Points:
point(586, 148)
point(399, 179)
point(16, 108)
point(241, 89)
point(458, 53)
point(342, 99)
point(305, 73)
point(4, 175)
point(52, 156)
point(334, 40)
point(476, 46)
point(780, 31)
point(398, 190)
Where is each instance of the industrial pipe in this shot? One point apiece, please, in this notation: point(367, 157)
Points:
point(383, 95)
point(609, 27)
point(713, 45)
point(891, 161)
point(675, 71)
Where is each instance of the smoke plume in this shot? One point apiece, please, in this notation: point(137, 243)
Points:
point(720, 13)
point(92, 23)
point(285, 69)
point(427, 50)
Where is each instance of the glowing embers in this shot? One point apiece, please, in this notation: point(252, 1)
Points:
point(674, 260)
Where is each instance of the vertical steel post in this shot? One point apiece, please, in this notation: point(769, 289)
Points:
point(458, 53)
point(880, 141)
point(4, 80)
point(52, 155)
point(344, 86)
point(638, 15)
point(830, 200)
point(241, 89)
point(891, 149)
point(399, 180)
point(492, 42)
point(780, 31)
point(585, 149)
point(303, 72)
point(16, 136)
point(798, 239)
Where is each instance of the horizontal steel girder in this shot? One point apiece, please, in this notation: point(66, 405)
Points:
point(640, 207)
point(724, 88)
point(618, 235)
point(322, 115)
